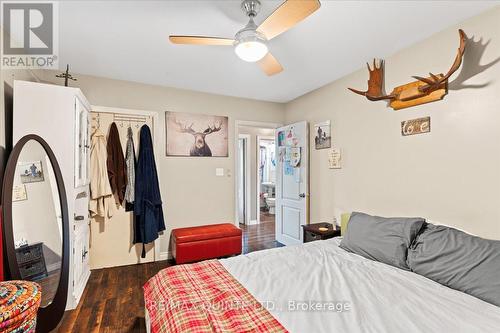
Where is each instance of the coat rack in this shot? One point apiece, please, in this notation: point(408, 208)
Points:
point(121, 118)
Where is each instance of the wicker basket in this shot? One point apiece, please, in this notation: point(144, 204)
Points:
point(19, 303)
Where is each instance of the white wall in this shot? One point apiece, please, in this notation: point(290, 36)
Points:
point(192, 194)
point(6, 98)
point(451, 175)
point(114, 236)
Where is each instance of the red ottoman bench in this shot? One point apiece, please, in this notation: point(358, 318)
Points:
point(205, 242)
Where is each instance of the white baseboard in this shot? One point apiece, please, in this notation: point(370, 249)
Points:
point(164, 256)
point(252, 222)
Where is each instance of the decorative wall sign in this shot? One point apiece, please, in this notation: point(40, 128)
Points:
point(19, 193)
point(322, 135)
point(196, 135)
point(30, 172)
point(334, 158)
point(416, 126)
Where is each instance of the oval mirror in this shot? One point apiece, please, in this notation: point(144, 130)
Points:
point(36, 225)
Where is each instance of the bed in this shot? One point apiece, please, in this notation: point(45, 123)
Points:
point(319, 287)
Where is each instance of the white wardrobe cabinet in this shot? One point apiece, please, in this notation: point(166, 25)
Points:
point(60, 115)
point(82, 140)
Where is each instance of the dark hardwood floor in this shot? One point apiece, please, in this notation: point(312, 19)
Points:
point(266, 217)
point(259, 237)
point(113, 299)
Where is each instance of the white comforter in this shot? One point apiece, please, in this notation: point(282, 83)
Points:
point(371, 296)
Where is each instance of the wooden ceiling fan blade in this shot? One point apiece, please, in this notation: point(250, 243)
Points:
point(270, 65)
point(201, 40)
point(286, 16)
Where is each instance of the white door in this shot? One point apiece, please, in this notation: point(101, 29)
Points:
point(292, 182)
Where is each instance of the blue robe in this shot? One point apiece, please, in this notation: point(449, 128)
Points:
point(147, 206)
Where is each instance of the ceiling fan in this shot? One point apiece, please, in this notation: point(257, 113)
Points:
point(250, 43)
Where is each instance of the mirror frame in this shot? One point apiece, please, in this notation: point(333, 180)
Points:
point(48, 317)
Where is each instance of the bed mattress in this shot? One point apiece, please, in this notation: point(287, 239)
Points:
point(319, 287)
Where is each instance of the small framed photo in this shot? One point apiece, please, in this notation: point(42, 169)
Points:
point(30, 172)
point(322, 135)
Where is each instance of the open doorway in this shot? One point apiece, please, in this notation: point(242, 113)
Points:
point(266, 179)
point(255, 165)
point(255, 172)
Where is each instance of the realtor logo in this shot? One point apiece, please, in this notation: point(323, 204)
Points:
point(29, 34)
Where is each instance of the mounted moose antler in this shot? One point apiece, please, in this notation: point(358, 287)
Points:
point(200, 147)
point(436, 81)
point(422, 91)
point(375, 90)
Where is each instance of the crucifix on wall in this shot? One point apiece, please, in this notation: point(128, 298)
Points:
point(67, 76)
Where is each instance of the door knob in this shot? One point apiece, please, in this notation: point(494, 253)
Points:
point(302, 195)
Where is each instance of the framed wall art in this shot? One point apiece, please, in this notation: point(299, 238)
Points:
point(322, 135)
point(30, 172)
point(190, 134)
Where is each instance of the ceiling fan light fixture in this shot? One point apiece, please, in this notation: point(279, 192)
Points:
point(251, 51)
point(250, 45)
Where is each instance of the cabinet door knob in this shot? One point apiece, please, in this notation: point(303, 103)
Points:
point(79, 218)
point(302, 195)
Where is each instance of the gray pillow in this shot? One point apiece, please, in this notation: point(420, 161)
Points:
point(458, 260)
point(382, 239)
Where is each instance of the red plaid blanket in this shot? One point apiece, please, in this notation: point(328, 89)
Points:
point(204, 297)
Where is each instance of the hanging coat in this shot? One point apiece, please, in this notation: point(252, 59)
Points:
point(130, 162)
point(117, 172)
point(101, 201)
point(148, 206)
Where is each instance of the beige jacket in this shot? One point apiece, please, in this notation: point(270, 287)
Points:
point(102, 202)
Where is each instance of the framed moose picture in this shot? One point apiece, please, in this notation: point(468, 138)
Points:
point(190, 134)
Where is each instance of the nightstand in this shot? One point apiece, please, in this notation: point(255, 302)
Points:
point(312, 232)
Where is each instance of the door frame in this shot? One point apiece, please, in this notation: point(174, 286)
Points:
point(237, 124)
point(158, 139)
point(246, 180)
point(257, 144)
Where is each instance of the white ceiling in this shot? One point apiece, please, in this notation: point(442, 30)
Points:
point(128, 40)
